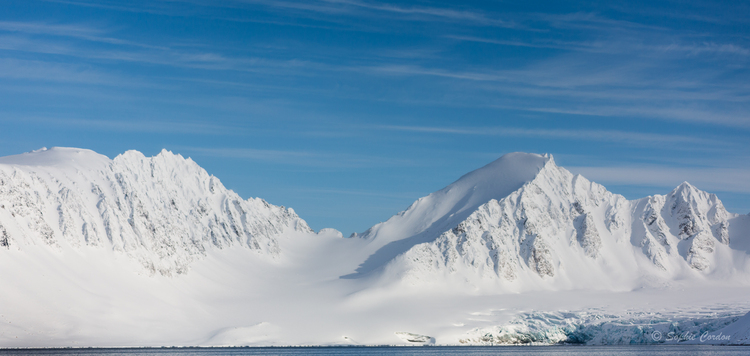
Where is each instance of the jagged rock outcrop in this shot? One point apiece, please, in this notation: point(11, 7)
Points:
point(588, 236)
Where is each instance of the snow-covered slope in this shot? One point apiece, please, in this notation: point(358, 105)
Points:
point(139, 251)
point(164, 211)
point(737, 333)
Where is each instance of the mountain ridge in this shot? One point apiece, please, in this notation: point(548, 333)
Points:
point(163, 210)
point(686, 222)
point(540, 226)
point(93, 249)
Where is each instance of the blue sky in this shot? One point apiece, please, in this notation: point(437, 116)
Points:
point(349, 110)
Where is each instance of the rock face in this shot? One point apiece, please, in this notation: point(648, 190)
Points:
point(164, 211)
point(560, 227)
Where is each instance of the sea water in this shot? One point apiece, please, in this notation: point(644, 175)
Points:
point(644, 350)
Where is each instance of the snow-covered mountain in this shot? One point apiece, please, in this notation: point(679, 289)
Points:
point(164, 211)
point(138, 251)
point(527, 223)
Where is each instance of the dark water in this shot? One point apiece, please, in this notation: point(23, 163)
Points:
point(646, 350)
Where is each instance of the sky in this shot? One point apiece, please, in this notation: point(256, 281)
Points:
point(349, 110)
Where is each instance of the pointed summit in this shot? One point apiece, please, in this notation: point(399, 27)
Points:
point(685, 188)
point(686, 200)
point(501, 177)
point(442, 210)
point(452, 204)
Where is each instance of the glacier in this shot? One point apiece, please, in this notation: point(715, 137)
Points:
point(154, 251)
point(593, 327)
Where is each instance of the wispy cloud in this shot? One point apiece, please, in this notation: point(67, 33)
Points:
point(614, 46)
point(329, 8)
point(693, 11)
point(35, 27)
point(370, 9)
point(117, 6)
point(164, 56)
point(690, 113)
point(627, 137)
point(58, 72)
point(43, 38)
point(708, 178)
point(610, 86)
point(594, 21)
point(379, 194)
point(134, 125)
point(67, 30)
point(405, 69)
point(307, 158)
point(471, 17)
point(703, 48)
point(596, 47)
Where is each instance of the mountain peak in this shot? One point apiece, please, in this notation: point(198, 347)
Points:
point(685, 186)
point(502, 176)
point(167, 154)
point(454, 202)
point(165, 160)
point(517, 160)
point(58, 156)
point(444, 209)
point(689, 194)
